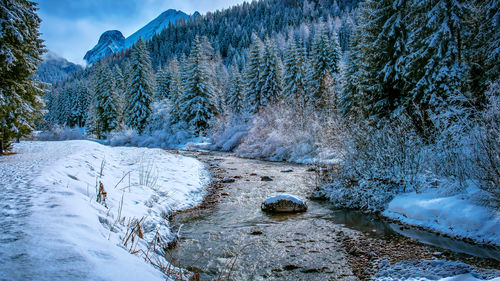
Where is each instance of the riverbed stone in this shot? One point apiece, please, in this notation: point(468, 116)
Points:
point(284, 203)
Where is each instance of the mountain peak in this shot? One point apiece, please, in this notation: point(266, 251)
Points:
point(111, 35)
point(110, 42)
point(113, 41)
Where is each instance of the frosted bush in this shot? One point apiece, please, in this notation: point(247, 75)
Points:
point(159, 132)
point(59, 133)
point(379, 162)
point(229, 132)
point(284, 132)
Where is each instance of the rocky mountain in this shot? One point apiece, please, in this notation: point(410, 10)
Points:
point(113, 41)
point(110, 42)
point(55, 68)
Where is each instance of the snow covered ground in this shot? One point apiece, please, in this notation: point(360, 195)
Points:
point(459, 215)
point(53, 228)
point(427, 270)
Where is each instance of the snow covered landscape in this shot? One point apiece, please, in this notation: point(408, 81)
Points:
point(250, 140)
point(49, 201)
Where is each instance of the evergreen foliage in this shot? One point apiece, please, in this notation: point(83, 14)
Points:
point(21, 52)
point(106, 103)
point(140, 90)
point(325, 58)
point(162, 84)
point(253, 99)
point(198, 102)
point(234, 97)
point(295, 82)
point(271, 74)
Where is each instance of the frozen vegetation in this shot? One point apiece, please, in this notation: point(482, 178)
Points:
point(92, 211)
point(397, 102)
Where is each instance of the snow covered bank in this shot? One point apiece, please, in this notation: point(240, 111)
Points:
point(69, 235)
point(427, 270)
point(457, 215)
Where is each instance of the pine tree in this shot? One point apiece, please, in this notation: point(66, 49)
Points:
point(21, 51)
point(434, 68)
point(119, 80)
point(295, 77)
point(106, 102)
point(80, 104)
point(325, 56)
point(162, 84)
point(176, 91)
point(382, 56)
point(234, 97)
point(271, 76)
point(198, 101)
point(140, 91)
point(253, 76)
point(481, 48)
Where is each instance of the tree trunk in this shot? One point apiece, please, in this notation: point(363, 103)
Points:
point(1, 147)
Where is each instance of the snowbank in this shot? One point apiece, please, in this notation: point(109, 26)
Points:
point(457, 215)
point(75, 233)
point(426, 270)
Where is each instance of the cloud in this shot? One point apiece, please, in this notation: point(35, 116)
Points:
point(71, 28)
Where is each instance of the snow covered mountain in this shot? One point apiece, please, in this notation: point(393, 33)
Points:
point(113, 41)
point(110, 42)
point(55, 68)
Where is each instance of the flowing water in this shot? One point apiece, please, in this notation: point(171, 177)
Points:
point(237, 240)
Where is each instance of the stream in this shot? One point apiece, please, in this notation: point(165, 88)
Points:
point(236, 240)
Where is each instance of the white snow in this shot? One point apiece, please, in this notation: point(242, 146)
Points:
point(427, 270)
point(466, 277)
point(286, 197)
point(68, 235)
point(456, 215)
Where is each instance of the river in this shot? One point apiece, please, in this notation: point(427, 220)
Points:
point(236, 240)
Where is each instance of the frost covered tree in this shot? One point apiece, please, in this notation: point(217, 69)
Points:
point(253, 90)
point(21, 51)
point(294, 80)
point(325, 58)
point(162, 84)
point(481, 47)
point(271, 74)
point(106, 102)
point(234, 97)
point(434, 68)
point(120, 84)
point(198, 102)
point(140, 90)
point(176, 91)
point(376, 61)
point(80, 104)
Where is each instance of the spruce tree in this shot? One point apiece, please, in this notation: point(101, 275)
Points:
point(253, 76)
point(140, 90)
point(162, 84)
point(198, 101)
point(271, 74)
point(106, 102)
point(382, 55)
point(234, 97)
point(175, 90)
point(80, 104)
point(295, 73)
point(434, 70)
point(325, 57)
point(21, 51)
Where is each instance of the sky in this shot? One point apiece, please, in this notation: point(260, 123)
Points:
point(72, 27)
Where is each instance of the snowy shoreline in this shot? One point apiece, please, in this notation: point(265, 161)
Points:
point(457, 216)
point(81, 238)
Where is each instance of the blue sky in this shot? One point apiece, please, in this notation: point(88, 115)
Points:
point(72, 27)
